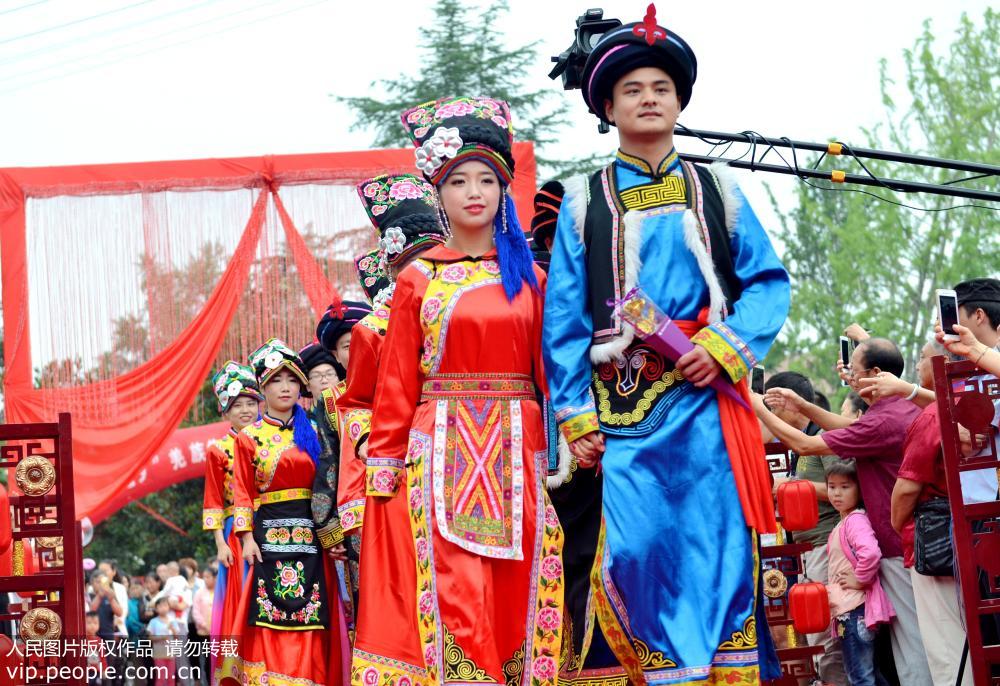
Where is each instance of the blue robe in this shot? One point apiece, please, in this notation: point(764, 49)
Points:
point(674, 587)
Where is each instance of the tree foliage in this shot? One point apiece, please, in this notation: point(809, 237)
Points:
point(855, 258)
point(463, 53)
point(140, 542)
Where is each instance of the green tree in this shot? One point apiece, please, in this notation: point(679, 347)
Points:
point(463, 53)
point(855, 258)
point(139, 542)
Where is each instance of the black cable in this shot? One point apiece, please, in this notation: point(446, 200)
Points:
point(751, 141)
point(75, 22)
point(47, 49)
point(168, 45)
point(23, 7)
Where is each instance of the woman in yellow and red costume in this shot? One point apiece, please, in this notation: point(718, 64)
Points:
point(457, 433)
point(294, 631)
point(239, 399)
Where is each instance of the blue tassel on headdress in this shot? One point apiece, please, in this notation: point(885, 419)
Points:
point(513, 253)
point(304, 434)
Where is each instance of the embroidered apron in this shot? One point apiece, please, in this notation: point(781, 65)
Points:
point(289, 586)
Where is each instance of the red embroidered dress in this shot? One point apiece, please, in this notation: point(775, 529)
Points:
point(461, 574)
point(354, 408)
point(217, 514)
point(293, 627)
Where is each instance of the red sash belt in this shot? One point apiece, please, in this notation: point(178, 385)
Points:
point(745, 446)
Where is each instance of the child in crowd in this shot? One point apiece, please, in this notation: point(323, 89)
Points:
point(857, 602)
point(95, 650)
point(162, 628)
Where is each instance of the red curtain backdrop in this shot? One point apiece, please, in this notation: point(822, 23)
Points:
point(121, 422)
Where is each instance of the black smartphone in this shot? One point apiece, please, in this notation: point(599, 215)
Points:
point(845, 354)
point(757, 380)
point(948, 313)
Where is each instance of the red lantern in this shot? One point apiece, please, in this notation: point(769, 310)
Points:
point(797, 505)
point(809, 606)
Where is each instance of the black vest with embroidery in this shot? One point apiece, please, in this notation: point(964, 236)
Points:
point(633, 394)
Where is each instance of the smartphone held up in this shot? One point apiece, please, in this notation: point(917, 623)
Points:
point(947, 301)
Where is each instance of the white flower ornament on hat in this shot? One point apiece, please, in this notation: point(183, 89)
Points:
point(394, 241)
point(427, 161)
point(446, 142)
point(234, 388)
point(272, 360)
point(224, 398)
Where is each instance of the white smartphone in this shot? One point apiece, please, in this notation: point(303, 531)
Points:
point(948, 313)
point(845, 355)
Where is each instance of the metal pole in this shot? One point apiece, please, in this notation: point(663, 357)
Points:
point(843, 149)
point(888, 184)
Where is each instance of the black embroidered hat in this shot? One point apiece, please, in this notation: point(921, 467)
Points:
point(232, 381)
point(548, 199)
point(635, 45)
point(403, 211)
point(313, 355)
point(450, 131)
point(339, 318)
point(372, 276)
point(272, 357)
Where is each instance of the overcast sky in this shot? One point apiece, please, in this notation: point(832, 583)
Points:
point(90, 81)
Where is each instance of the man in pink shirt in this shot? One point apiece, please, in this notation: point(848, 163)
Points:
point(875, 441)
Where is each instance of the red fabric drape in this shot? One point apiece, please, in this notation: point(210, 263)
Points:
point(318, 288)
point(122, 422)
point(150, 401)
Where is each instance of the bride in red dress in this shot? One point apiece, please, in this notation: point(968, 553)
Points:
point(461, 571)
point(294, 632)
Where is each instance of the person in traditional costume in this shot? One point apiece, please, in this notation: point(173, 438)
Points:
point(457, 433)
point(576, 495)
point(403, 210)
point(323, 374)
point(334, 333)
point(294, 630)
point(235, 388)
point(685, 484)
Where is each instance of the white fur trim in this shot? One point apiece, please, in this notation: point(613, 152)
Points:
point(693, 240)
point(575, 200)
point(565, 462)
point(728, 186)
point(614, 349)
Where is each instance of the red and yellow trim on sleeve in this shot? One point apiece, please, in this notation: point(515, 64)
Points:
point(242, 519)
point(383, 476)
point(357, 426)
point(212, 518)
point(352, 515)
point(579, 425)
point(724, 351)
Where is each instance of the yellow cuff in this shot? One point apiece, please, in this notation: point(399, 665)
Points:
point(351, 515)
point(212, 519)
point(242, 519)
point(383, 476)
point(723, 352)
point(579, 426)
point(357, 426)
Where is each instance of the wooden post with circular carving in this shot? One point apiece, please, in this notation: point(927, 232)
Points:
point(46, 557)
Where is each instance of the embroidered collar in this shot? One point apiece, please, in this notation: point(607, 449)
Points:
point(233, 433)
point(668, 165)
point(283, 426)
point(442, 253)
